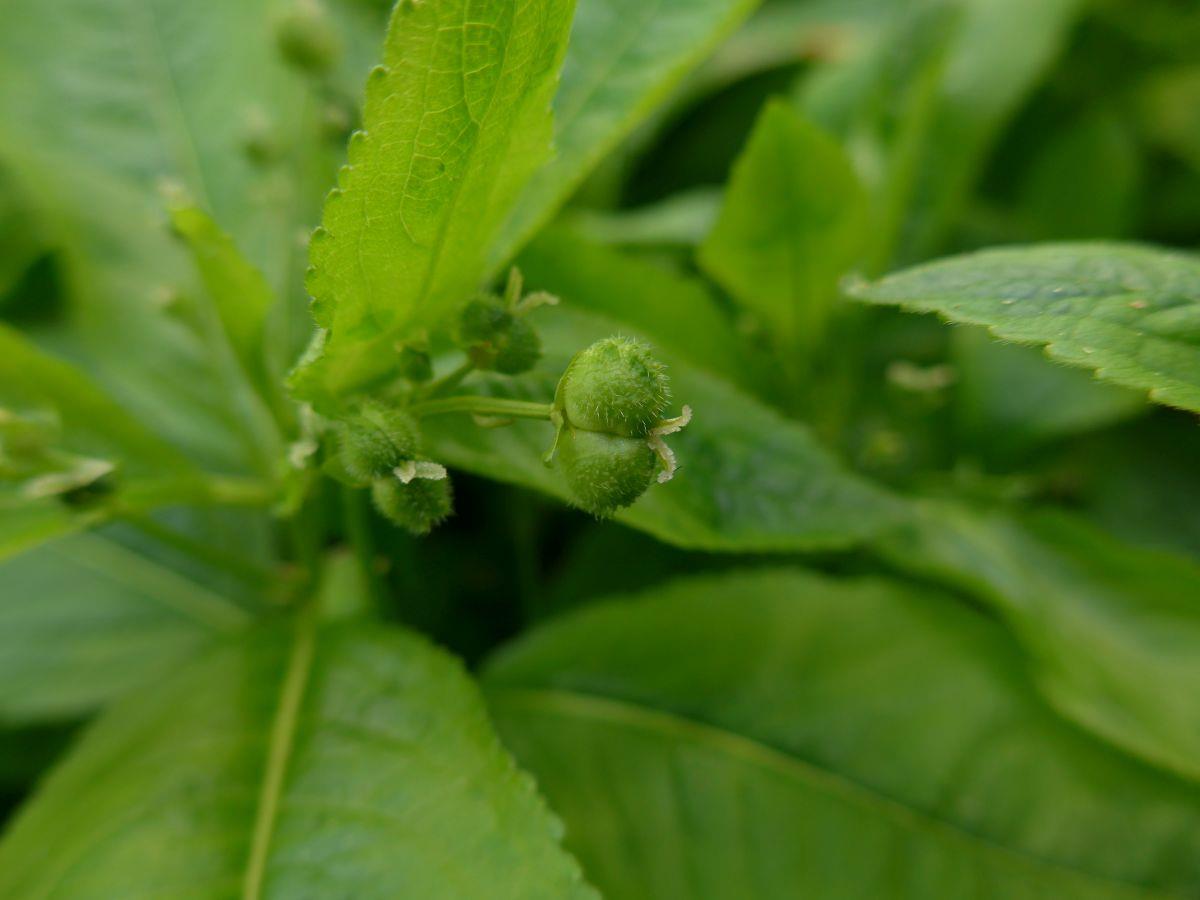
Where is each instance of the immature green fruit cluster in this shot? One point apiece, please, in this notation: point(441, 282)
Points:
point(496, 338)
point(380, 447)
point(608, 408)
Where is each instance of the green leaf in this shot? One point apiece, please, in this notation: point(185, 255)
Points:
point(85, 619)
point(682, 219)
point(342, 761)
point(1002, 49)
point(881, 102)
point(1010, 399)
point(239, 293)
point(86, 420)
point(1084, 182)
point(1113, 632)
point(675, 311)
point(749, 479)
point(792, 223)
point(455, 122)
point(1130, 313)
point(774, 734)
point(624, 59)
point(161, 90)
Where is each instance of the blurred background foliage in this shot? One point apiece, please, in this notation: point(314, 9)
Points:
point(968, 123)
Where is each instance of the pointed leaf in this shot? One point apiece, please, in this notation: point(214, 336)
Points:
point(792, 223)
point(455, 121)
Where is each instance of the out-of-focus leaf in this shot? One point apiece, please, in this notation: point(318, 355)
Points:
point(85, 420)
point(997, 51)
point(1010, 399)
point(881, 100)
point(683, 219)
point(1083, 185)
point(455, 122)
point(750, 480)
point(157, 89)
point(1169, 107)
point(675, 311)
point(240, 295)
point(1129, 313)
point(1113, 632)
point(792, 222)
point(340, 761)
point(773, 734)
point(624, 59)
point(85, 619)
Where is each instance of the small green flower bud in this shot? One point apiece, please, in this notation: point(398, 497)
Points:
point(376, 440)
point(306, 37)
point(606, 471)
point(496, 339)
point(614, 386)
point(416, 505)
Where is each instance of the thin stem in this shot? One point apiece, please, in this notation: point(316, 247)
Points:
point(450, 380)
point(497, 407)
point(356, 518)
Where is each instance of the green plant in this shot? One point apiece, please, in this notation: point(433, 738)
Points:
point(612, 533)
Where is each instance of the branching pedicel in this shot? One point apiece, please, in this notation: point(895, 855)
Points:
point(608, 412)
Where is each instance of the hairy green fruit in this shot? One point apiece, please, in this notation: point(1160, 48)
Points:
point(416, 505)
point(605, 471)
point(376, 440)
point(307, 38)
point(496, 339)
point(614, 386)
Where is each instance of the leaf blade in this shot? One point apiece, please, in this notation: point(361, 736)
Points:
point(440, 792)
point(792, 222)
point(1127, 312)
point(624, 58)
point(455, 121)
point(876, 710)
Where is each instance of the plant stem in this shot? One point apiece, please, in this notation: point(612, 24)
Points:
point(356, 519)
point(450, 380)
point(498, 407)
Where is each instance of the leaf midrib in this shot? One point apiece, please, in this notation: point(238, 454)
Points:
point(748, 751)
point(279, 751)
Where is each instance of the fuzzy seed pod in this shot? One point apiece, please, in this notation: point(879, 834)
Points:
point(496, 339)
point(606, 471)
point(615, 386)
point(417, 505)
point(376, 440)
